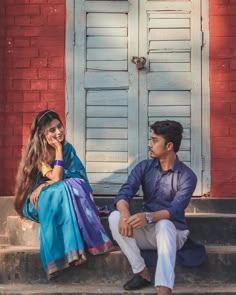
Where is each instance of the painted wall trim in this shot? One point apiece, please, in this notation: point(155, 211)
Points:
point(206, 151)
point(69, 64)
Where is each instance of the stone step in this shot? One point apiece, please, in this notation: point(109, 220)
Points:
point(4, 239)
point(23, 265)
point(206, 228)
point(114, 289)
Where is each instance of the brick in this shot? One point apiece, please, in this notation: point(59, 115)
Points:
point(39, 84)
point(56, 62)
point(219, 130)
point(225, 10)
point(29, 107)
point(23, 10)
point(223, 190)
point(56, 1)
point(233, 108)
point(21, 84)
point(14, 140)
point(32, 96)
point(22, 1)
point(29, 117)
point(23, 73)
point(57, 85)
point(15, 96)
point(233, 131)
point(228, 96)
point(22, 20)
point(57, 106)
point(232, 86)
point(233, 64)
point(10, 20)
point(51, 51)
point(39, 62)
point(38, 20)
point(223, 175)
point(223, 153)
point(14, 119)
point(221, 65)
point(56, 9)
point(25, 52)
point(219, 76)
point(51, 74)
point(38, 1)
point(52, 96)
point(21, 62)
point(47, 41)
point(22, 42)
point(7, 130)
point(224, 141)
point(219, 2)
point(220, 86)
point(56, 20)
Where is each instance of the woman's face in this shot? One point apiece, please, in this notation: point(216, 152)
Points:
point(55, 130)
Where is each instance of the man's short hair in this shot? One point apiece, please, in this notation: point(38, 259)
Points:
point(170, 130)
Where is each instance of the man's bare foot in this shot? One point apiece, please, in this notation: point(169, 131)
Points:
point(145, 274)
point(164, 291)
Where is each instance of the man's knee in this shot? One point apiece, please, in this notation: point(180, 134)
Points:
point(113, 220)
point(164, 226)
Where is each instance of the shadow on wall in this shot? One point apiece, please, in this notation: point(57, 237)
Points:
point(11, 98)
point(2, 91)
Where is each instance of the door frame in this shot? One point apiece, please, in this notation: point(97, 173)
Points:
point(70, 111)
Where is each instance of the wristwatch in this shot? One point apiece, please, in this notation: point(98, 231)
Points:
point(149, 217)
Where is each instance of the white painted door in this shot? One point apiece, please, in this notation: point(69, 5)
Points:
point(113, 102)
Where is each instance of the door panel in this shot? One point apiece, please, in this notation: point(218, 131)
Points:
point(170, 86)
point(110, 91)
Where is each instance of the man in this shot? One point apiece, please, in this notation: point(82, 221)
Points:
point(167, 185)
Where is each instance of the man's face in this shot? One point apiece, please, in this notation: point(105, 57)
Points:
point(157, 146)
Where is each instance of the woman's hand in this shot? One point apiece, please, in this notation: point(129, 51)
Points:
point(35, 194)
point(53, 142)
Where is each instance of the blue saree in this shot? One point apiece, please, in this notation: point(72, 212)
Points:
point(69, 222)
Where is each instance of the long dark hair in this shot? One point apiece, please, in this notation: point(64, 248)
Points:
point(37, 150)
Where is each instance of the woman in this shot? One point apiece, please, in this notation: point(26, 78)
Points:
point(53, 189)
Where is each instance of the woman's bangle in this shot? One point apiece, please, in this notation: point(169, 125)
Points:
point(58, 163)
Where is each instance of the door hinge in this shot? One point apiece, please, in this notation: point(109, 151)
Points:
point(203, 163)
point(203, 39)
point(74, 38)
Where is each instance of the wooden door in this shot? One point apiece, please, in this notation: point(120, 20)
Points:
point(114, 103)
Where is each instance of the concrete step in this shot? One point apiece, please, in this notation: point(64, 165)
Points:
point(114, 289)
point(206, 228)
point(23, 265)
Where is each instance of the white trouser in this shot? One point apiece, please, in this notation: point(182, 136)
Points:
point(162, 236)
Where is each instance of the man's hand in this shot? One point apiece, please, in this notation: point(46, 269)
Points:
point(124, 228)
point(137, 220)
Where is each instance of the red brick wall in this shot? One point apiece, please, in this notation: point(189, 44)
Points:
point(34, 72)
point(223, 97)
point(32, 38)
